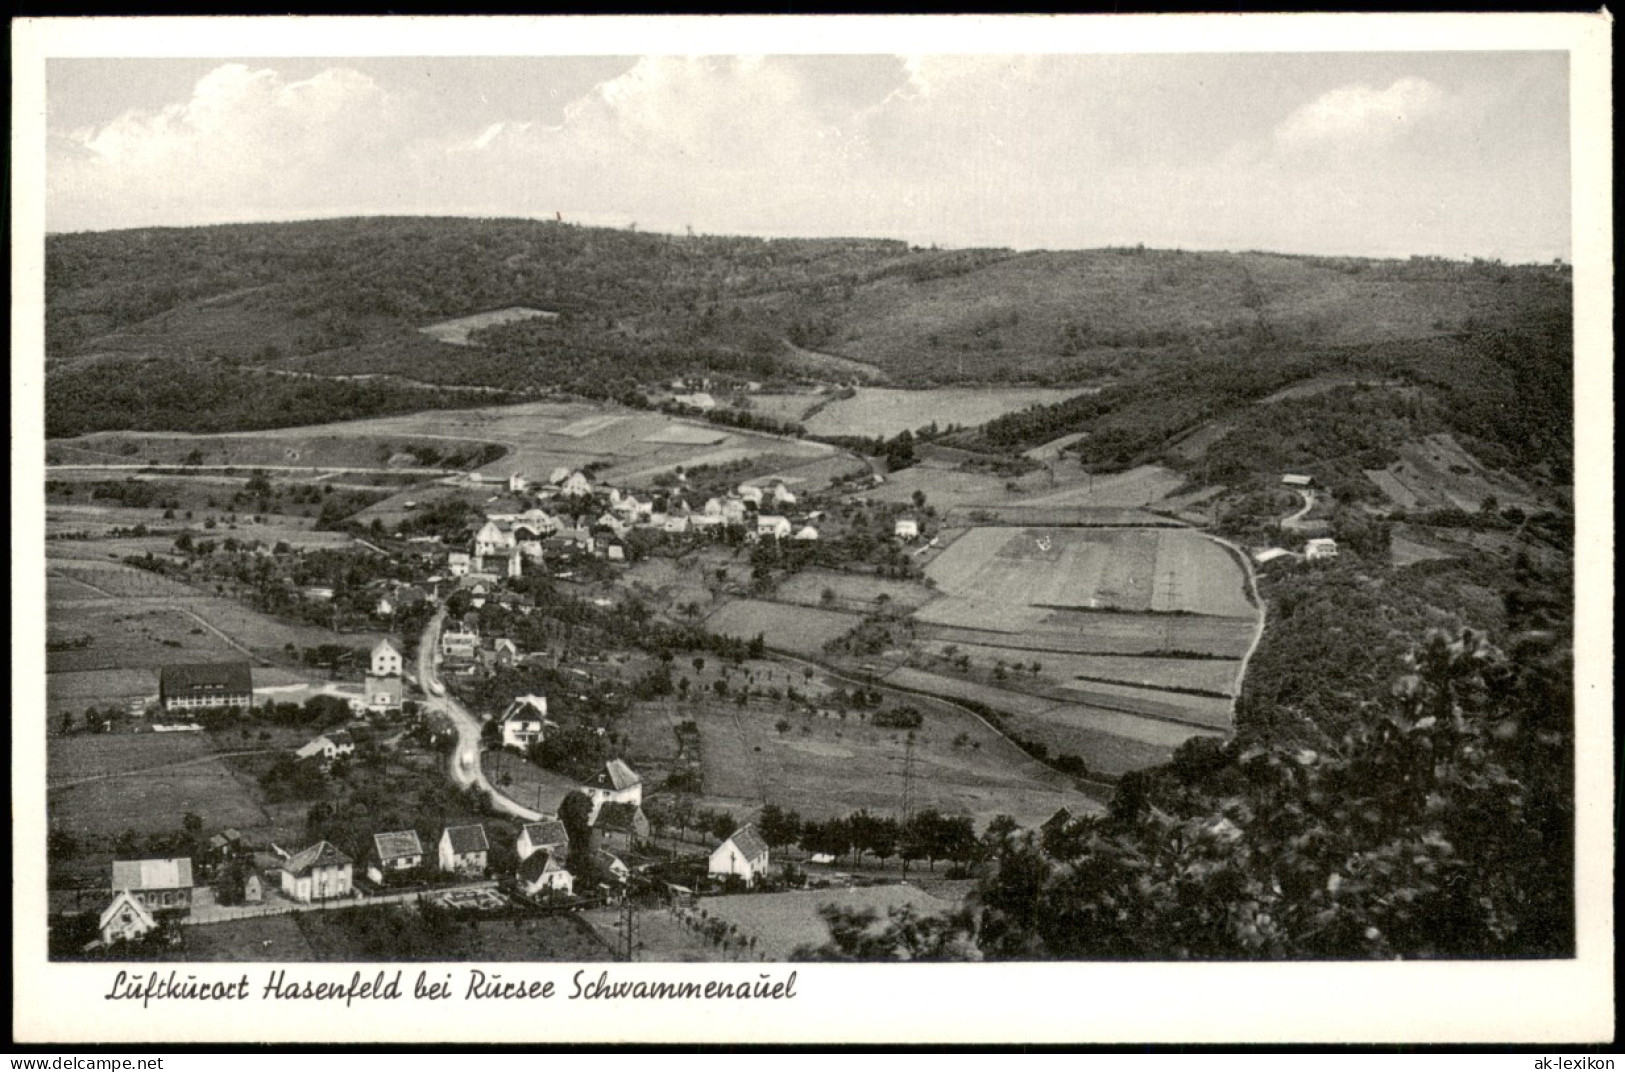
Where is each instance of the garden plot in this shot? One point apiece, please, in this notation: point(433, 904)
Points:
point(74, 691)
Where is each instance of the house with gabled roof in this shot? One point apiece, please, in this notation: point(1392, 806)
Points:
point(126, 919)
point(464, 850)
point(524, 722)
point(320, 872)
point(617, 783)
point(545, 833)
point(774, 525)
point(386, 659)
point(744, 854)
point(393, 853)
point(620, 826)
point(544, 872)
point(160, 885)
point(329, 746)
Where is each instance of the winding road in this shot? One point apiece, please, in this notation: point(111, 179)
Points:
point(465, 767)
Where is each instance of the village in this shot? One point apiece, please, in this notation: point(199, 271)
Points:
point(579, 846)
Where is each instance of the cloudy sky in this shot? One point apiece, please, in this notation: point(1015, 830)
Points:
point(1385, 154)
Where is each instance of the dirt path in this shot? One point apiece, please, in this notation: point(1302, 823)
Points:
point(1258, 629)
point(1294, 521)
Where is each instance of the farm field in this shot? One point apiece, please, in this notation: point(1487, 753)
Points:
point(155, 801)
point(664, 938)
point(1062, 668)
point(885, 411)
point(1438, 473)
point(1140, 486)
point(801, 630)
point(825, 766)
point(1094, 569)
point(457, 331)
point(961, 621)
point(134, 638)
point(851, 592)
point(311, 449)
point(1407, 552)
point(73, 692)
point(784, 922)
point(1105, 751)
point(943, 488)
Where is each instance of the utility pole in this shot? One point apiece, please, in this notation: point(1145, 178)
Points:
point(628, 942)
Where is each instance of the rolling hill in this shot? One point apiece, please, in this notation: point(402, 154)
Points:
point(271, 311)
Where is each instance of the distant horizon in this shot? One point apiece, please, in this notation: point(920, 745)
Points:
point(1383, 155)
point(840, 237)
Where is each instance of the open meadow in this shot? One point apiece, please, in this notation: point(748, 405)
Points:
point(886, 412)
point(799, 630)
point(781, 923)
point(824, 765)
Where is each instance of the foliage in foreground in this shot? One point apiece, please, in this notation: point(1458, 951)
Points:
point(1438, 828)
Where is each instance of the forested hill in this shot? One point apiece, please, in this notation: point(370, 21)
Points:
point(349, 297)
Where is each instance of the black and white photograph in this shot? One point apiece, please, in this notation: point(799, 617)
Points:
point(639, 505)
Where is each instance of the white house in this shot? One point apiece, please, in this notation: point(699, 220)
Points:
point(676, 524)
point(1270, 554)
point(463, 849)
point(806, 533)
point(460, 641)
point(1297, 480)
point(1320, 549)
point(126, 919)
point(744, 854)
point(558, 476)
point(750, 493)
point(329, 746)
point(577, 484)
point(546, 833)
point(783, 496)
point(493, 539)
point(524, 722)
point(393, 853)
point(774, 525)
point(617, 783)
point(544, 872)
point(517, 482)
point(318, 873)
point(386, 659)
point(458, 563)
point(906, 528)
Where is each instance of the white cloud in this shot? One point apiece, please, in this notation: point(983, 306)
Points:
point(1362, 115)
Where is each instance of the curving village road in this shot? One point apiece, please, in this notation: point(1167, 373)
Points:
point(464, 766)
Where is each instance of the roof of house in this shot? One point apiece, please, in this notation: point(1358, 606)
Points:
point(1059, 820)
point(465, 839)
point(123, 897)
point(620, 775)
point(748, 842)
point(538, 864)
point(547, 832)
point(234, 678)
point(526, 709)
point(152, 874)
point(321, 854)
point(611, 861)
point(396, 844)
point(385, 645)
point(618, 815)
